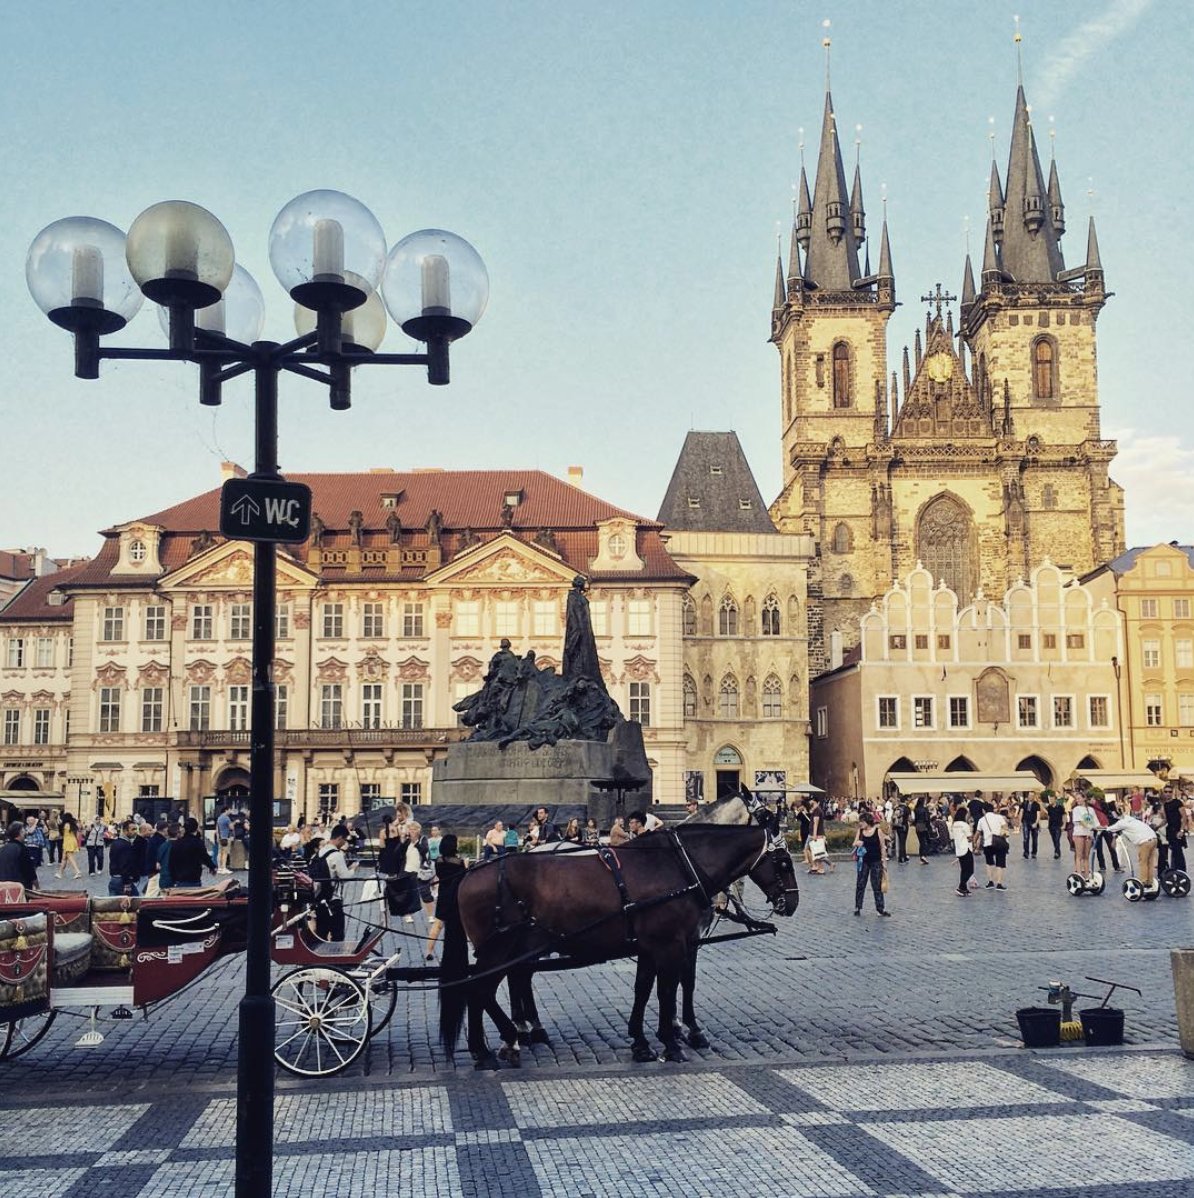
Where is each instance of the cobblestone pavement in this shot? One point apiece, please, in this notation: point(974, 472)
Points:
point(847, 1055)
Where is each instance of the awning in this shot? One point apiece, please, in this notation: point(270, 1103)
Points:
point(964, 782)
point(1120, 779)
point(1181, 771)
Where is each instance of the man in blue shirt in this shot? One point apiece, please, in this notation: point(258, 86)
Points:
point(223, 840)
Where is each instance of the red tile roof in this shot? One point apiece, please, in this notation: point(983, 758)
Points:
point(31, 603)
point(465, 499)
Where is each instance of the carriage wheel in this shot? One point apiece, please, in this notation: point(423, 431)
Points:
point(1097, 883)
point(1175, 883)
point(25, 1034)
point(1076, 884)
point(383, 994)
point(1133, 890)
point(322, 1022)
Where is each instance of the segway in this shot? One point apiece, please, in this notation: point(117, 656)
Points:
point(1077, 885)
point(1175, 883)
point(1135, 890)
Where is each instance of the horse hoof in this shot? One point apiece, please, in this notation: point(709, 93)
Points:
point(511, 1056)
point(487, 1063)
point(642, 1054)
point(674, 1054)
point(697, 1039)
point(525, 1040)
point(539, 1036)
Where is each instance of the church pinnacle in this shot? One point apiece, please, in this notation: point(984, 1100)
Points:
point(831, 257)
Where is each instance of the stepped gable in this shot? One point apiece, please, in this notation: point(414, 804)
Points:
point(451, 509)
point(941, 403)
point(713, 490)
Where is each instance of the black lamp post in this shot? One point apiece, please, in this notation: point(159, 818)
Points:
point(329, 252)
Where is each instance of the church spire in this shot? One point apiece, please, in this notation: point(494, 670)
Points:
point(968, 282)
point(1029, 250)
point(995, 203)
point(831, 258)
point(857, 214)
point(804, 211)
point(1056, 207)
point(781, 292)
point(991, 271)
point(1093, 261)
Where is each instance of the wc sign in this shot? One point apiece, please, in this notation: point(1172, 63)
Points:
point(265, 509)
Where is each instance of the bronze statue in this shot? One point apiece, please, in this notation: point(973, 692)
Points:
point(520, 700)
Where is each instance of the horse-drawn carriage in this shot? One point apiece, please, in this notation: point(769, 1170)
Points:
point(68, 953)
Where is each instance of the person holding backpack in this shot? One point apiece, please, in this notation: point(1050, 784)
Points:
point(328, 869)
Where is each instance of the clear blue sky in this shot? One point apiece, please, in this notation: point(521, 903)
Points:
point(621, 167)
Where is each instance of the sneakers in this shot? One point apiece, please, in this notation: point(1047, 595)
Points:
point(990, 885)
point(1000, 886)
point(885, 914)
point(857, 912)
point(962, 893)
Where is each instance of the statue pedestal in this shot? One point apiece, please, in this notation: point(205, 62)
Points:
point(478, 773)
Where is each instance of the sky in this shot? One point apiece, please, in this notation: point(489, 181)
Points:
point(622, 168)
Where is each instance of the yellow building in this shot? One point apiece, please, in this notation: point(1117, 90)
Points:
point(986, 456)
point(745, 623)
point(936, 686)
point(1153, 588)
point(385, 618)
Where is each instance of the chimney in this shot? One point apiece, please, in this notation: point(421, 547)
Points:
point(835, 649)
point(576, 475)
point(231, 470)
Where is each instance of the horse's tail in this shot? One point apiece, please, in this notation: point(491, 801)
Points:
point(453, 985)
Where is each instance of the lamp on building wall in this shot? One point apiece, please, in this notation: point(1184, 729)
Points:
point(329, 252)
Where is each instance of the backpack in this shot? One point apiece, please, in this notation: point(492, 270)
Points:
point(321, 875)
point(426, 865)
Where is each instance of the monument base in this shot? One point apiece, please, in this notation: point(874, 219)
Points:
point(478, 773)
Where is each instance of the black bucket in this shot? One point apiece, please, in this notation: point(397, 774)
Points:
point(1102, 1026)
point(1040, 1027)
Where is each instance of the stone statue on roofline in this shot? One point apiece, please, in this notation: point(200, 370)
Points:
point(394, 527)
point(355, 523)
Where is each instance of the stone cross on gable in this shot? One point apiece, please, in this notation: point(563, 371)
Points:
point(939, 298)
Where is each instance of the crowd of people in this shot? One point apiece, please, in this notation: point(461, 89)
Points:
point(1100, 830)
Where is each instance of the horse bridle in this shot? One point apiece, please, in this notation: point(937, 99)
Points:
point(774, 846)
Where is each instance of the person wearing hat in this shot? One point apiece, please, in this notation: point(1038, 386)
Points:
point(330, 868)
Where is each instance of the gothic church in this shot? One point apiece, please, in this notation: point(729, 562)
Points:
point(982, 455)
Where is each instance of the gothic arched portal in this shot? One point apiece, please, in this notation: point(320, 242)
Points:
point(945, 545)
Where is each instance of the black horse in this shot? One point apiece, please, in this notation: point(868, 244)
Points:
point(651, 897)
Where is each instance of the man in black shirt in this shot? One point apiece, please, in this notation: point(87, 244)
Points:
point(1056, 815)
point(189, 856)
point(123, 867)
point(1030, 817)
point(15, 863)
point(548, 831)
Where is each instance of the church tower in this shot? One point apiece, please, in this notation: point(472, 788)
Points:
point(1031, 331)
point(829, 322)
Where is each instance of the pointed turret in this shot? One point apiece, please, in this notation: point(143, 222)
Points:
point(907, 373)
point(831, 259)
point(885, 271)
point(1056, 207)
point(967, 283)
point(804, 213)
point(1029, 251)
point(995, 204)
point(991, 271)
point(1093, 261)
point(781, 291)
point(857, 214)
point(794, 255)
point(917, 351)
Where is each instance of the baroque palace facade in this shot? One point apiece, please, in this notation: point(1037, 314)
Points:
point(127, 678)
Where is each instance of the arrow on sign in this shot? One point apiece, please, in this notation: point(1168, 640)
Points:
point(246, 508)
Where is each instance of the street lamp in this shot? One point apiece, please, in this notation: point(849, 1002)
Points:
point(329, 252)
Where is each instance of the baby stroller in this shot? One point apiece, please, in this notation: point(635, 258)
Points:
point(937, 839)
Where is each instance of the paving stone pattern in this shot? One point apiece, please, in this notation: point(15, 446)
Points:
point(851, 1057)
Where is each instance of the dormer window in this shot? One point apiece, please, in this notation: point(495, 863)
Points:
point(617, 545)
point(55, 599)
point(693, 501)
point(745, 504)
point(512, 498)
point(137, 551)
point(391, 500)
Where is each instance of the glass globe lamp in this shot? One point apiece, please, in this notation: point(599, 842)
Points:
point(180, 254)
point(78, 276)
point(318, 242)
point(435, 285)
point(362, 328)
point(238, 314)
